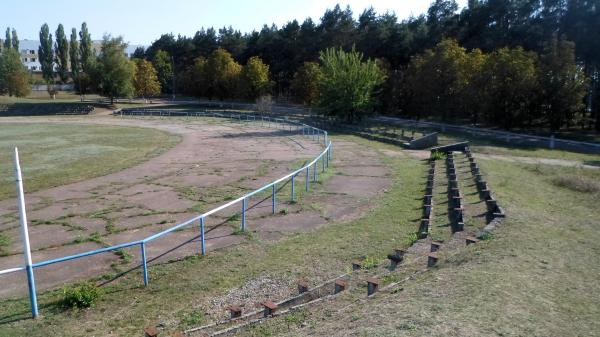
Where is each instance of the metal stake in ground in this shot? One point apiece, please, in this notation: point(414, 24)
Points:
point(25, 237)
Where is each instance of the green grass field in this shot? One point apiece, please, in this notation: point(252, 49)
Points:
point(536, 277)
point(55, 154)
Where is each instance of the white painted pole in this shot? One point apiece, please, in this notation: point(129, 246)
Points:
point(25, 236)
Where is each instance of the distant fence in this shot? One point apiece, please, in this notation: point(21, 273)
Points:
point(309, 171)
point(60, 87)
point(505, 136)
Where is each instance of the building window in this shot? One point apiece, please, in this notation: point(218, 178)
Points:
point(32, 52)
point(24, 59)
point(33, 59)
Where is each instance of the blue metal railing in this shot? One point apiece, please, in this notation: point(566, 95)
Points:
point(300, 128)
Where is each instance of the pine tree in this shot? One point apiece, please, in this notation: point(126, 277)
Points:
point(61, 50)
point(46, 54)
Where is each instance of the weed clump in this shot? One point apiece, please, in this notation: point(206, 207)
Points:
point(437, 155)
point(412, 238)
point(81, 295)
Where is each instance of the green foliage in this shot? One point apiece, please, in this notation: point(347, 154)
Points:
point(411, 239)
point(348, 84)
point(437, 155)
point(15, 40)
point(164, 70)
point(146, 80)
point(61, 50)
point(191, 319)
point(46, 54)
point(512, 86)
point(433, 80)
point(305, 84)
point(487, 236)
point(74, 55)
point(368, 263)
point(7, 39)
point(81, 295)
point(563, 82)
point(86, 50)
point(223, 74)
point(115, 70)
point(255, 78)
point(4, 241)
point(14, 79)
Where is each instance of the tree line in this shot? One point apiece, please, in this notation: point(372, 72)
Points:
point(494, 27)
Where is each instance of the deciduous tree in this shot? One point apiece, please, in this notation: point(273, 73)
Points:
point(305, 85)
point(74, 55)
point(223, 75)
point(14, 78)
point(164, 69)
point(145, 81)
point(255, 78)
point(46, 54)
point(15, 40)
point(116, 71)
point(61, 50)
point(348, 84)
point(564, 84)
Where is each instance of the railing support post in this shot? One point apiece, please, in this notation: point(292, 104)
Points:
point(307, 179)
point(144, 263)
point(315, 171)
point(323, 159)
point(293, 186)
point(202, 247)
point(244, 214)
point(273, 199)
point(25, 237)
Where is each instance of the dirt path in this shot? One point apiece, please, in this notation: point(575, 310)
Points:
point(215, 162)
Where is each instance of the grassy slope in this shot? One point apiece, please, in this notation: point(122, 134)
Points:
point(538, 276)
point(175, 288)
point(54, 154)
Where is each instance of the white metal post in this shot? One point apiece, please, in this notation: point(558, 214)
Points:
point(25, 236)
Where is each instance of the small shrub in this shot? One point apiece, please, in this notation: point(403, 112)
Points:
point(487, 236)
point(369, 263)
point(284, 211)
point(412, 238)
point(437, 155)
point(81, 295)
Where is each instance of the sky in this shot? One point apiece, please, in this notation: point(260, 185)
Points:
point(143, 21)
